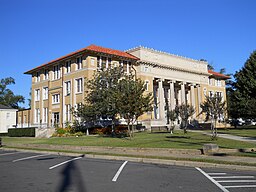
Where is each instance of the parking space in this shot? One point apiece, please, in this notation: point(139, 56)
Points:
point(22, 171)
point(231, 181)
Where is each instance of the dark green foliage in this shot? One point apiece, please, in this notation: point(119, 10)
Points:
point(7, 97)
point(112, 94)
point(242, 95)
point(21, 132)
point(3, 134)
point(132, 102)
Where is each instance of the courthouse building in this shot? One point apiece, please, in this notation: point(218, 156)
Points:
point(58, 85)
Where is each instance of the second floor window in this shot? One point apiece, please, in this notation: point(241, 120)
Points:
point(56, 98)
point(37, 94)
point(79, 63)
point(79, 85)
point(56, 72)
point(67, 87)
point(68, 66)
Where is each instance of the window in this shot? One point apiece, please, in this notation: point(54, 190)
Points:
point(45, 115)
point(103, 62)
point(37, 115)
point(99, 62)
point(211, 93)
point(68, 114)
point(218, 82)
point(68, 66)
point(109, 63)
point(79, 85)
point(146, 85)
point(56, 99)
point(210, 81)
point(79, 63)
point(92, 61)
point(67, 87)
point(37, 76)
point(46, 74)
point(56, 72)
point(8, 115)
point(37, 94)
point(45, 93)
point(125, 66)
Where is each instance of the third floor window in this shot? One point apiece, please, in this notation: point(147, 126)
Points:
point(79, 63)
point(68, 66)
point(56, 72)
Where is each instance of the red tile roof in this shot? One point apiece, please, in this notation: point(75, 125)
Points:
point(111, 51)
point(218, 74)
point(90, 48)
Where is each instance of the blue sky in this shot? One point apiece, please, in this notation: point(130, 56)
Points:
point(33, 32)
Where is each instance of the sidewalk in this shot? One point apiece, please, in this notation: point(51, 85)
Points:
point(184, 157)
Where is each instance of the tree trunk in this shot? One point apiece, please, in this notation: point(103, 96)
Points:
point(113, 128)
point(129, 130)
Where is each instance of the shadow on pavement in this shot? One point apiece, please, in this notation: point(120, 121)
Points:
point(72, 179)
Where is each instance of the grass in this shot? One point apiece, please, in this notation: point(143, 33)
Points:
point(205, 160)
point(191, 140)
point(243, 131)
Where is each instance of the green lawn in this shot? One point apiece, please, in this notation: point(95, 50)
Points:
point(243, 131)
point(178, 140)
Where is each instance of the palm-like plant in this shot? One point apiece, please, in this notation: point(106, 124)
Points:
point(185, 111)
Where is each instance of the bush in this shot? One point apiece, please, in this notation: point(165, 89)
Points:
point(21, 132)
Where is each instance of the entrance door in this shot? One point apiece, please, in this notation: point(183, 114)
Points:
point(56, 119)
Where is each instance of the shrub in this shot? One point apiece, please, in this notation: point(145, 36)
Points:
point(21, 132)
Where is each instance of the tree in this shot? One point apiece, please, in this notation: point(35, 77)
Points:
point(244, 89)
point(213, 107)
point(132, 100)
point(103, 94)
point(7, 97)
point(185, 111)
point(173, 116)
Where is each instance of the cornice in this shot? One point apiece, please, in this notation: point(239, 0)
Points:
point(153, 64)
point(164, 53)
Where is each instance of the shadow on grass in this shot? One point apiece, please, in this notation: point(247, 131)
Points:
point(220, 154)
point(178, 137)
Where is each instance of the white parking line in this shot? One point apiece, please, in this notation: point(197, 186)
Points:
point(240, 186)
point(65, 162)
point(212, 180)
point(233, 177)
point(31, 157)
point(10, 153)
point(217, 173)
point(119, 171)
point(237, 181)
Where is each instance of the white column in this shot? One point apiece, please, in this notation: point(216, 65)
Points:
point(161, 99)
point(183, 93)
point(172, 98)
point(193, 102)
point(199, 99)
point(192, 91)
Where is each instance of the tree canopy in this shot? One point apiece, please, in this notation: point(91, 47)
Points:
point(7, 97)
point(242, 96)
point(113, 94)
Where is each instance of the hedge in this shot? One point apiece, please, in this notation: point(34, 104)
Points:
point(3, 134)
point(22, 132)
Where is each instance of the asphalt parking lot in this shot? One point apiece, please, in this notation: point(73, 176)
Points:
point(23, 171)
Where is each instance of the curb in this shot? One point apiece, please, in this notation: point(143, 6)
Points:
point(143, 160)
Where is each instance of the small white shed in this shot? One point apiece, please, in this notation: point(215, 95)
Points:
point(7, 118)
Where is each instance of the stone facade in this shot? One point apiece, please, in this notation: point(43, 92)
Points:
point(58, 86)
